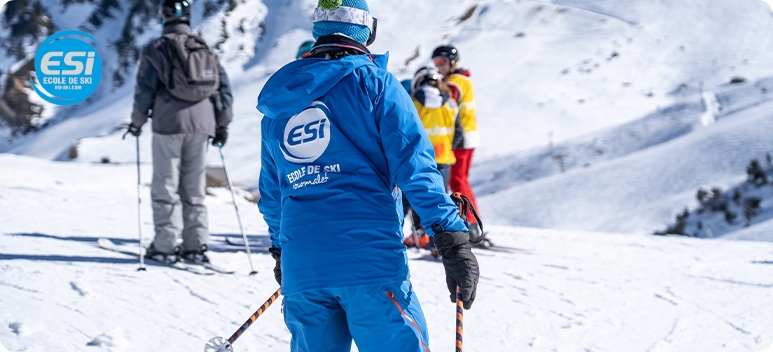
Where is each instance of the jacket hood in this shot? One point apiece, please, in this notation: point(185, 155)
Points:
point(177, 28)
point(296, 85)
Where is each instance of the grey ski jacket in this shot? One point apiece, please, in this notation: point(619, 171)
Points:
point(171, 115)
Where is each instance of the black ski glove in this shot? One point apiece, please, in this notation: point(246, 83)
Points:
point(221, 134)
point(460, 264)
point(276, 253)
point(134, 130)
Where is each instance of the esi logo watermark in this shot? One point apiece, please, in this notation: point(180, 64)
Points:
point(68, 68)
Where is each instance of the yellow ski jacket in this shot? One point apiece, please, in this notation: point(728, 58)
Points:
point(461, 84)
point(438, 114)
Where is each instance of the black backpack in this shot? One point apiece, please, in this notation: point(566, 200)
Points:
point(193, 73)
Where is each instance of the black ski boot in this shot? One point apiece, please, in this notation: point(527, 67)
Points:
point(196, 256)
point(161, 257)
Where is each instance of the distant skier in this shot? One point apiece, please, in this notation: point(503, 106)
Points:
point(446, 60)
point(180, 80)
point(438, 114)
point(340, 138)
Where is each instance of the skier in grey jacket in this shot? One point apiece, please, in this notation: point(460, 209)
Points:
point(183, 122)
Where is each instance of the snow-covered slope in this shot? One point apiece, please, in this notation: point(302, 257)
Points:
point(559, 290)
point(634, 177)
point(579, 74)
point(738, 212)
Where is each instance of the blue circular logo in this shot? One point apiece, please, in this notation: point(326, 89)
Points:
point(307, 135)
point(68, 69)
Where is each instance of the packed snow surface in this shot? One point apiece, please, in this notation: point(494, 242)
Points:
point(557, 290)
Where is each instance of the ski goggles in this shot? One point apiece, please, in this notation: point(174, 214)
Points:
point(440, 61)
point(348, 15)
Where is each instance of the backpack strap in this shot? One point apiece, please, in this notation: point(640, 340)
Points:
point(171, 50)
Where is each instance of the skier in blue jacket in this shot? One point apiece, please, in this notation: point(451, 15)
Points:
point(340, 141)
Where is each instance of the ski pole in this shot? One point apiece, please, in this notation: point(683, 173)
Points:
point(459, 319)
point(413, 230)
point(218, 344)
point(139, 200)
point(139, 213)
point(239, 218)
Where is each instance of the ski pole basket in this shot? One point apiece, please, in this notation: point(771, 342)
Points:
point(218, 344)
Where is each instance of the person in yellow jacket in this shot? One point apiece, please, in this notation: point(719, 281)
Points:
point(446, 60)
point(438, 113)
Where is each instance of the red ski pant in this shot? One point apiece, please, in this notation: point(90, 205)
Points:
point(460, 177)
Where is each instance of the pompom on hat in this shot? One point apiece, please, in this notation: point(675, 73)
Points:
point(348, 17)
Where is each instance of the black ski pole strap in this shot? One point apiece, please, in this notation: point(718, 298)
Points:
point(465, 206)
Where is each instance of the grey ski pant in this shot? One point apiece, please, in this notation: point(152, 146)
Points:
point(177, 191)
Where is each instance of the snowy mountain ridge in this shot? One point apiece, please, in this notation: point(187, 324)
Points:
point(686, 115)
point(642, 173)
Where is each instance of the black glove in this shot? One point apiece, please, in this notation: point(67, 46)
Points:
point(221, 134)
point(460, 264)
point(134, 130)
point(276, 253)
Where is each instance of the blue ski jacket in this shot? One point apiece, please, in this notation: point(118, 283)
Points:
point(340, 140)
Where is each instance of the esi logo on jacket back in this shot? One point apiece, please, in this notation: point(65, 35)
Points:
point(307, 135)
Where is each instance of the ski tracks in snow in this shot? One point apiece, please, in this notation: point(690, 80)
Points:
point(618, 292)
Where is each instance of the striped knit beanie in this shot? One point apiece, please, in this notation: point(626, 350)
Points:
point(341, 24)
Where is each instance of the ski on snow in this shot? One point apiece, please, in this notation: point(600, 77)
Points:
point(503, 249)
point(254, 247)
point(209, 266)
point(132, 250)
point(488, 245)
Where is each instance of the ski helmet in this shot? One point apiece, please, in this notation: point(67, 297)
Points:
point(449, 52)
point(174, 11)
point(304, 50)
point(425, 75)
